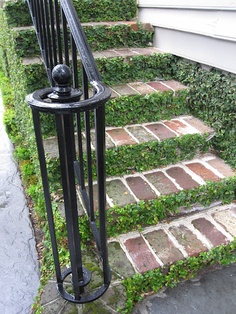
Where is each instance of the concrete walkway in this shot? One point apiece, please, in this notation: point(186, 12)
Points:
point(19, 275)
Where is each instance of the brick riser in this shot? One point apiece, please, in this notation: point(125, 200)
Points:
point(167, 243)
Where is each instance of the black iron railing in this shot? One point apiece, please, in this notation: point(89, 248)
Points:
point(67, 58)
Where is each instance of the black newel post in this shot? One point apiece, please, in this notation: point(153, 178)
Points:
point(66, 105)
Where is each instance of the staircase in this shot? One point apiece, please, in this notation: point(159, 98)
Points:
point(161, 167)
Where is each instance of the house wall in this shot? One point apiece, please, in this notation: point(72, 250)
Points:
point(199, 30)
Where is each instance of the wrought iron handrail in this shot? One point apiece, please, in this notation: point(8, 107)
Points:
point(64, 51)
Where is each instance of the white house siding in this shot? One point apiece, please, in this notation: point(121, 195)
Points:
point(199, 30)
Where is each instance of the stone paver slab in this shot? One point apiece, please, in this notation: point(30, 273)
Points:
point(119, 193)
point(141, 255)
point(118, 260)
point(182, 178)
point(192, 245)
point(141, 134)
point(202, 171)
point(163, 246)
point(227, 220)
point(160, 130)
point(161, 182)
point(140, 188)
point(120, 137)
point(210, 231)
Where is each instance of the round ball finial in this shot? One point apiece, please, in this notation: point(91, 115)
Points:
point(61, 74)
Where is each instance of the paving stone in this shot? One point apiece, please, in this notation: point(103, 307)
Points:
point(124, 89)
point(109, 53)
point(59, 306)
point(227, 220)
point(158, 86)
point(198, 124)
point(192, 245)
point(119, 193)
point(141, 255)
point(210, 231)
point(125, 52)
point(109, 143)
point(146, 51)
point(95, 197)
point(222, 167)
point(141, 134)
point(163, 246)
point(160, 130)
point(142, 88)
point(50, 293)
point(180, 127)
point(140, 188)
point(233, 210)
point(120, 137)
point(161, 182)
point(115, 297)
point(202, 171)
point(118, 260)
point(182, 178)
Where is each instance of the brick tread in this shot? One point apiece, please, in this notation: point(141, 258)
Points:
point(169, 242)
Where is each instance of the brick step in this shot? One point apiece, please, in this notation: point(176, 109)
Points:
point(149, 185)
point(141, 133)
point(100, 35)
point(168, 242)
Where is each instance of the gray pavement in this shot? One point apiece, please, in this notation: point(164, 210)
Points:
point(19, 269)
point(211, 293)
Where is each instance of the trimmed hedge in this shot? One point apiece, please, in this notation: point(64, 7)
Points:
point(17, 11)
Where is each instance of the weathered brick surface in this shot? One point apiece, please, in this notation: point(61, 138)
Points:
point(227, 220)
point(202, 171)
point(119, 193)
point(141, 134)
point(160, 131)
point(182, 177)
point(158, 86)
point(140, 188)
point(192, 245)
point(141, 255)
point(120, 137)
point(141, 87)
point(161, 182)
point(175, 85)
point(124, 89)
point(222, 167)
point(163, 246)
point(198, 124)
point(210, 231)
point(118, 260)
point(180, 127)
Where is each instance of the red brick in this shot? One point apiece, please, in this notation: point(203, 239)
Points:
point(179, 127)
point(158, 86)
point(182, 178)
point(160, 130)
point(120, 137)
point(141, 255)
point(210, 231)
point(222, 167)
point(140, 188)
point(161, 182)
point(203, 172)
point(192, 245)
point(163, 247)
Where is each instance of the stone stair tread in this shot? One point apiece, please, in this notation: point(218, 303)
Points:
point(110, 53)
point(147, 185)
point(167, 242)
point(133, 24)
point(141, 133)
